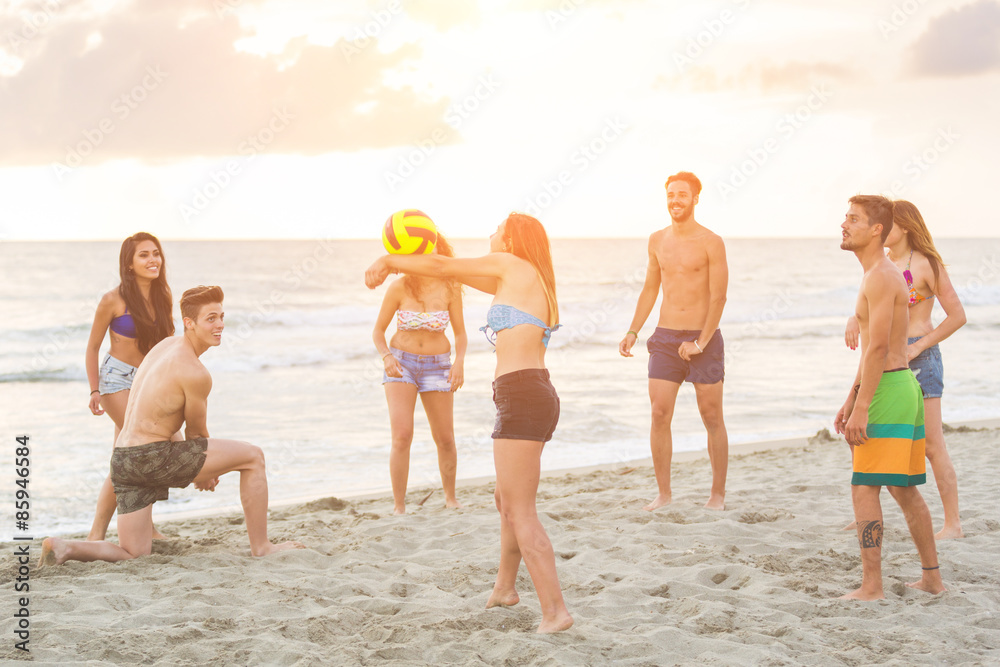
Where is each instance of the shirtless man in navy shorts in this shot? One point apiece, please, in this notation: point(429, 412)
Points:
point(689, 261)
point(170, 390)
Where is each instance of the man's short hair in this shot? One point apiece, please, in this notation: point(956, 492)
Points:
point(878, 209)
point(193, 299)
point(688, 178)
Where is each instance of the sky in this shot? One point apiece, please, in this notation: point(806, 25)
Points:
point(208, 119)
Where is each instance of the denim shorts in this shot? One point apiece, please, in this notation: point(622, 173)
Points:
point(115, 376)
point(665, 361)
point(929, 369)
point(428, 371)
point(527, 405)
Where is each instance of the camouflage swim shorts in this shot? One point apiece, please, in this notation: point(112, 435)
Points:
point(143, 474)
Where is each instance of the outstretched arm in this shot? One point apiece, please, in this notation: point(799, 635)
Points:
point(481, 273)
point(647, 299)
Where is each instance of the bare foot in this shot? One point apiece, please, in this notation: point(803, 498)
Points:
point(399, 510)
point(949, 533)
point(508, 599)
point(929, 583)
point(716, 503)
point(274, 548)
point(862, 594)
point(56, 548)
point(453, 504)
point(558, 624)
point(658, 502)
point(851, 526)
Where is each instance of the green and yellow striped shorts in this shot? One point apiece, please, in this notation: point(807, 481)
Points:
point(893, 454)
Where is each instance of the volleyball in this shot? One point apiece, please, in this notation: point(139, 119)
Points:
point(409, 232)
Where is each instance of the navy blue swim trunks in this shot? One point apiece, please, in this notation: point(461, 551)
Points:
point(665, 362)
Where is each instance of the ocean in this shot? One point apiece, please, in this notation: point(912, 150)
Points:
point(298, 375)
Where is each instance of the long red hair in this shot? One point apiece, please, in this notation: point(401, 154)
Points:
point(526, 238)
point(908, 217)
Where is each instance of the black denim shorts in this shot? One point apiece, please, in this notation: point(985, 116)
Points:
point(527, 405)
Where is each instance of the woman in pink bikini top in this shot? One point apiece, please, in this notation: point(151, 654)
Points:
point(417, 362)
point(911, 248)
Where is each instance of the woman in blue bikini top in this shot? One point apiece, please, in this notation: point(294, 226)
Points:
point(518, 273)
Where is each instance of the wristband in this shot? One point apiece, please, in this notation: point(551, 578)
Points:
point(698, 346)
point(94, 392)
point(857, 388)
point(633, 333)
point(386, 355)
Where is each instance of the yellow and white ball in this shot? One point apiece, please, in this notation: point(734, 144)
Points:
point(409, 232)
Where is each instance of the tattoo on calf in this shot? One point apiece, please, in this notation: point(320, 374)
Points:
point(870, 534)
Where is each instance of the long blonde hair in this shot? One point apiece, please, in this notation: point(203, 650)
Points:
point(526, 238)
point(908, 217)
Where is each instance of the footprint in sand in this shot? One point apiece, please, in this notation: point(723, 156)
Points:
point(660, 592)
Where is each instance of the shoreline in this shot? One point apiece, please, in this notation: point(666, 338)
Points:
point(756, 583)
point(742, 449)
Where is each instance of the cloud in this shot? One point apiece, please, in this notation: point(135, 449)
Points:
point(445, 14)
point(164, 82)
point(960, 42)
point(764, 78)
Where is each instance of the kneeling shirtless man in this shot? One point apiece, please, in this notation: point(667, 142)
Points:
point(170, 390)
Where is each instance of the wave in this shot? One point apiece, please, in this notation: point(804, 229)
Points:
point(47, 375)
point(281, 316)
point(44, 335)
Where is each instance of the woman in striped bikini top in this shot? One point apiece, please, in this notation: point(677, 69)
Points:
point(411, 320)
point(417, 362)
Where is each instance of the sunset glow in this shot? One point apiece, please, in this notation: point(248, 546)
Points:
point(239, 119)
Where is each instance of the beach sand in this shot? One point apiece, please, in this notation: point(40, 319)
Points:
point(755, 584)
